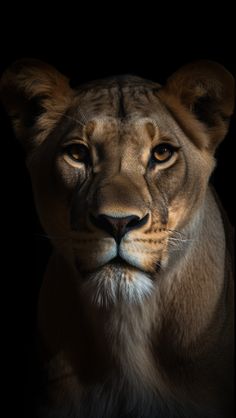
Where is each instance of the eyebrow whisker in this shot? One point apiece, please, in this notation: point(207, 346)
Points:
point(70, 118)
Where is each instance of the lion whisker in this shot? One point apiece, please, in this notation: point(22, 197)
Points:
point(174, 231)
point(70, 118)
point(180, 239)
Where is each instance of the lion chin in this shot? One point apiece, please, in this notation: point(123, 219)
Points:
point(117, 282)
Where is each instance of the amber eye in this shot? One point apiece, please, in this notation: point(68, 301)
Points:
point(77, 152)
point(163, 152)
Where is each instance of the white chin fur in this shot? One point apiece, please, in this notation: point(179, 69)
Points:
point(110, 286)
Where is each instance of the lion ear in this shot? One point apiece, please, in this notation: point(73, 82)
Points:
point(35, 95)
point(206, 90)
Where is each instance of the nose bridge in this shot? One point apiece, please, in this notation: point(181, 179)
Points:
point(120, 196)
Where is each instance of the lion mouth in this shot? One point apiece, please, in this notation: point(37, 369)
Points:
point(116, 263)
point(119, 262)
point(105, 255)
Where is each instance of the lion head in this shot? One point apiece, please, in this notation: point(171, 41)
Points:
point(119, 167)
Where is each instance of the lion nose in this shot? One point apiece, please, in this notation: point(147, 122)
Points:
point(118, 226)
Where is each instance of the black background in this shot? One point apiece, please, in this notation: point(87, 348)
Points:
point(149, 48)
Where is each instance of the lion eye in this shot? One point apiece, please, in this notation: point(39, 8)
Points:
point(163, 152)
point(77, 152)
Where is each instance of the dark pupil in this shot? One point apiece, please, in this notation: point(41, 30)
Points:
point(77, 152)
point(163, 150)
point(162, 153)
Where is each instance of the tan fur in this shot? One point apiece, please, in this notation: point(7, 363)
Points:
point(152, 337)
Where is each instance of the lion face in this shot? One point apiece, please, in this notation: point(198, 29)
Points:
point(115, 195)
point(119, 175)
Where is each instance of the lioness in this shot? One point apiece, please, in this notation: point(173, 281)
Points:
point(135, 311)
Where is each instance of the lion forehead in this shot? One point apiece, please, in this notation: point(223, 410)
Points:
point(118, 99)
